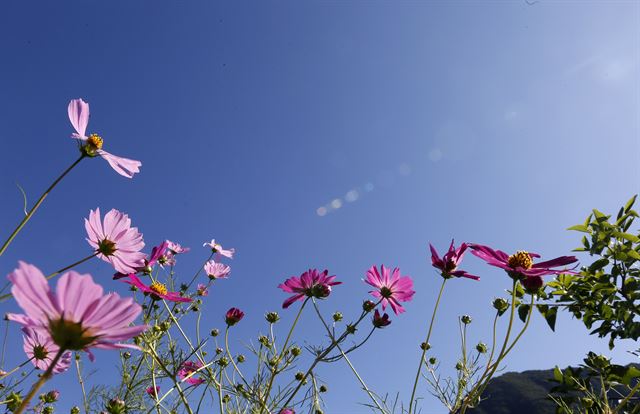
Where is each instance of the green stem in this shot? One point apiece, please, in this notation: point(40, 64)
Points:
point(424, 350)
point(35, 207)
point(85, 403)
point(44, 378)
point(274, 370)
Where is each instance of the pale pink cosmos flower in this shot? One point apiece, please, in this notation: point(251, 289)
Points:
point(311, 283)
point(187, 369)
point(216, 270)
point(219, 250)
point(176, 248)
point(92, 145)
point(156, 290)
point(202, 290)
point(78, 315)
point(115, 240)
point(286, 411)
point(391, 288)
point(41, 349)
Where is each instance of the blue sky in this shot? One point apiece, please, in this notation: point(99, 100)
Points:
point(497, 122)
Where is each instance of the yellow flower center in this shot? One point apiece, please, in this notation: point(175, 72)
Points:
point(95, 141)
point(521, 259)
point(158, 288)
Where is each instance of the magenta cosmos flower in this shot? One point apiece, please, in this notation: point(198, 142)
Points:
point(216, 270)
point(520, 265)
point(380, 321)
point(311, 284)
point(115, 240)
point(77, 316)
point(448, 264)
point(153, 391)
point(233, 316)
point(187, 370)
point(156, 290)
point(391, 288)
point(157, 255)
point(92, 145)
point(41, 349)
point(219, 250)
point(286, 411)
point(202, 290)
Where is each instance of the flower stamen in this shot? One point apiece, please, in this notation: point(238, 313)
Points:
point(521, 259)
point(158, 288)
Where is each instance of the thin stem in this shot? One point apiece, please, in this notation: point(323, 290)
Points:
point(426, 342)
point(35, 207)
point(85, 403)
point(44, 378)
point(274, 370)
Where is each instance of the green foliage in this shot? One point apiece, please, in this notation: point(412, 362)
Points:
point(605, 295)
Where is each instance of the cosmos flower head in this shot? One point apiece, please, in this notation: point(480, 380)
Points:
point(202, 290)
point(311, 283)
point(380, 321)
point(233, 316)
point(91, 145)
point(41, 350)
point(521, 265)
point(176, 248)
point(153, 391)
point(391, 288)
point(216, 270)
point(157, 290)
point(187, 372)
point(78, 315)
point(219, 250)
point(448, 264)
point(115, 241)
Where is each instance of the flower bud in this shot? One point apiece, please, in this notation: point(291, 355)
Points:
point(116, 406)
point(226, 398)
point(351, 329)
point(14, 400)
point(48, 409)
point(368, 306)
point(126, 355)
point(459, 366)
point(432, 361)
point(296, 351)
point(50, 397)
point(75, 410)
point(223, 362)
point(219, 350)
point(337, 317)
point(481, 348)
point(299, 376)
point(263, 340)
point(272, 317)
point(233, 316)
point(240, 358)
point(425, 346)
point(500, 304)
point(466, 319)
point(215, 332)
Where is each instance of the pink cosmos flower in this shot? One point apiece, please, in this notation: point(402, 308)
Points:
point(520, 265)
point(78, 316)
point(391, 287)
point(233, 316)
point(153, 391)
point(286, 411)
point(176, 248)
point(219, 250)
point(202, 290)
point(157, 253)
point(40, 348)
point(115, 240)
point(216, 270)
point(187, 369)
point(448, 264)
point(156, 290)
point(311, 283)
point(380, 321)
point(92, 145)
